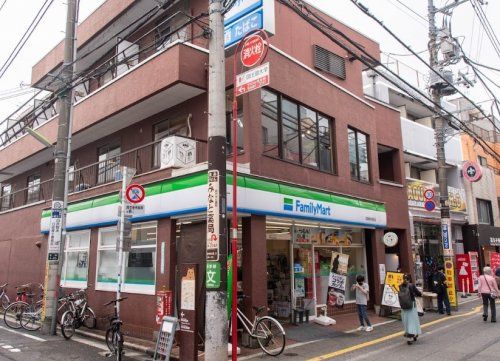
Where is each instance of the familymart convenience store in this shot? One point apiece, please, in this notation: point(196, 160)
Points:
point(284, 229)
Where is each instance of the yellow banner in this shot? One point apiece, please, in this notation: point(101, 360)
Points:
point(450, 281)
point(415, 190)
point(394, 279)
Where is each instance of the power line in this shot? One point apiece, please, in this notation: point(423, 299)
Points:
point(369, 61)
point(3, 4)
point(413, 11)
point(482, 65)
point(483, 19)
point(26, 36)
point(378, 21)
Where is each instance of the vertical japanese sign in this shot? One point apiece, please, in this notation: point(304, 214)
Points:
point(446, 237)
point(55, 232)
point(187, 313)
point(213, 210)
point(450, 280)
point(337, 280)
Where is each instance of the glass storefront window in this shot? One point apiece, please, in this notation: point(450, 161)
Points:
point(140, 262)
point(76, 255)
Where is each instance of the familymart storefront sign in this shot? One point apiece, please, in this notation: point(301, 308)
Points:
point(186, 195)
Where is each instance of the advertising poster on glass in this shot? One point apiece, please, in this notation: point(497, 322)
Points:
point(337, 280)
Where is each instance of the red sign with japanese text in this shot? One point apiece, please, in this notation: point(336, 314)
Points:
point(494, 261)
point(464, 270)
point(252, 51)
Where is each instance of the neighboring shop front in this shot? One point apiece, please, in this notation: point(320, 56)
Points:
point(426, 227)
point(483, 239)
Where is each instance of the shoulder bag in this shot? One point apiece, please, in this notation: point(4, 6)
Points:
point(492, 293)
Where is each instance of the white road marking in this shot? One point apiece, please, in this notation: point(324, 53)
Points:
point(286, 348)
point(15, 350)
point(23, 334)
point(92, 343)
point(7, 347)
point(375, 325)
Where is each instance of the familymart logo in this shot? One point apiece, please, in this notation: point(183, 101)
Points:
point(309, 207)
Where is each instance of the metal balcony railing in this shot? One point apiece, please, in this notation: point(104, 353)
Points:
point(145, 158)
point(128, 55)
point(18, 198)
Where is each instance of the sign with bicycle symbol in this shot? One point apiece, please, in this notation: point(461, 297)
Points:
point(135, 193)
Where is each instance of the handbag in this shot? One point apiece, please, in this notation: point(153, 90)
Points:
point(420, 309)
point(492, 294)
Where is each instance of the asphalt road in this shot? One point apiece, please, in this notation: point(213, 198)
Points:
point(18, 345)
point(463, 336)
point(460, 337)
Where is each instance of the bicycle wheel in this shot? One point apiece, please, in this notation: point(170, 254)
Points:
point(30, 319)
point(68, 325)
point(118, 344)
point(110, 335)
point(62, 307)
point(12, 314)
point(89, 318)
point(270, 336)
point(4, 302)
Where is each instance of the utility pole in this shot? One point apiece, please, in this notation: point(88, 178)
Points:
point(216, 320)
point(437, 89)
point(59, 188)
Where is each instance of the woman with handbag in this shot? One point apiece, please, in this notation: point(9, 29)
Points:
point(488, 290)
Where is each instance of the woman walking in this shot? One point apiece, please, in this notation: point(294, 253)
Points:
point(488, 290)
point(409, 315)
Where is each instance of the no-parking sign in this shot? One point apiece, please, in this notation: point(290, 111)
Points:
point(135, 193)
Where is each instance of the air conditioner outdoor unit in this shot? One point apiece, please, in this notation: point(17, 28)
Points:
point(177, 152)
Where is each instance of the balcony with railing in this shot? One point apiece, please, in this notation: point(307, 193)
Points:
point(140, 80)
point(174, 153)
point(419, 141)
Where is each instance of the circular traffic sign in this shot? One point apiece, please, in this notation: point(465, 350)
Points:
point(429, 194)
point(472, 171)
point(253, 50)
point(135, 193)
point(430, 206)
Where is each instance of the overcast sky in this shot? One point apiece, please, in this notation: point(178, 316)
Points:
point(16, 15)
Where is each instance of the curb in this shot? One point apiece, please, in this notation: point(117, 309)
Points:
point(130, 345)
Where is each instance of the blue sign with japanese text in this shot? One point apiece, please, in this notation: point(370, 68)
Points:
point(446, 236)
point(240, 9)
point(237, 30)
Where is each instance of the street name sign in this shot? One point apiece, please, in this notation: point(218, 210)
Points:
point(252, 79)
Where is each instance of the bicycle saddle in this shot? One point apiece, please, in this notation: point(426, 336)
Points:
point(258, 309)
point(4, 285)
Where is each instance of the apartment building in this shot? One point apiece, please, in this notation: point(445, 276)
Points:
point(420, 165)
point(322, 166)
point(482, 232)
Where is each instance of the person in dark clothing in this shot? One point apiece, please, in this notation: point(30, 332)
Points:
point(440, 287)
point(335, 264)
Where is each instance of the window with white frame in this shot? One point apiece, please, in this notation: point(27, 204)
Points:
point(139, 263)
point(76, 259)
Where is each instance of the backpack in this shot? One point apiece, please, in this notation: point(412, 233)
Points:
point(404, 296)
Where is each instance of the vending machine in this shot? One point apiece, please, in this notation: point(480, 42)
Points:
point(474, 265)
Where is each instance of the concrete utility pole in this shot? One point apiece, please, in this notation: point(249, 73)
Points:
point(59, 188)
point(439, 88)
point(216, 321)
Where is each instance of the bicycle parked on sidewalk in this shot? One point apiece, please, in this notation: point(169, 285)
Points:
point(26, 311)
point(78, 314)
point(267, 330)
point(114, 334)
point(4, 299)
